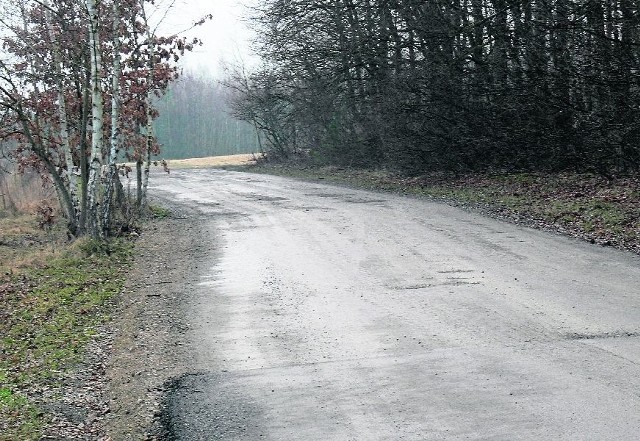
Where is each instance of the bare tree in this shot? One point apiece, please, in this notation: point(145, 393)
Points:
point(464, 84)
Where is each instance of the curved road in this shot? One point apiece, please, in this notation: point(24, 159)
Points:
point(336, 314)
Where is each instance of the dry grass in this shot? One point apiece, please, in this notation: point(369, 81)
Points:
point(24, 245)
point(213, 161)
point(22, 193)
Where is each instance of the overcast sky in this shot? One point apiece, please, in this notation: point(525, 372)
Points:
point(226, 38)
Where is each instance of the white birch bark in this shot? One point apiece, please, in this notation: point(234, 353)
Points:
point(64, 197)
point(71, 176)
point(97, 120)
point(115, 119)
point(149, 129)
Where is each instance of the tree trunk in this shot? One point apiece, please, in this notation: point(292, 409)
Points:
point(142, 199)
point(97, 121)
point(84, 147)
point(139, 164)
point(71, 176)
point(115, 122)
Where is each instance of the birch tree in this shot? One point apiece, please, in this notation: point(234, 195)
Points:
point(70, 174)
point(116, 102)
point(34, 110)
point(97, 117)
point(64, 90)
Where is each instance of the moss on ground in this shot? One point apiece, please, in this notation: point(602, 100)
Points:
point(50, 308)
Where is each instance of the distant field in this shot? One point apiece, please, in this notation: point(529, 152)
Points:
point(213, 161)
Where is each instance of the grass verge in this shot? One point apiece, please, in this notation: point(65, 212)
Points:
point(159, 212)
point(53, 297)
point(591, 207)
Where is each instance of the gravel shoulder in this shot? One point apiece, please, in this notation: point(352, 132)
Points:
point(148, 346)
point(116, 392)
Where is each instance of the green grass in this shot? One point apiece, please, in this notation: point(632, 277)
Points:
point(159, 212)
point(48, 313)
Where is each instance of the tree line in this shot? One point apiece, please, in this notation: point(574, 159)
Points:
point(455, 85)
point(194, 121)
point(78, 82)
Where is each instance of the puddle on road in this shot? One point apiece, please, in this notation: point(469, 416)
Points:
point(349, 198)
point(325, 195)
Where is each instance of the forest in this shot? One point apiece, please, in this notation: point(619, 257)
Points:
point(454, 85)
point(194, 121)
point(408, 85)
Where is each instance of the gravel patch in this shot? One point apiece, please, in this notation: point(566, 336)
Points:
point(117, 392)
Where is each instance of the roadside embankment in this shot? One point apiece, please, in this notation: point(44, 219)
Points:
point(55, 298)
point(90, 332)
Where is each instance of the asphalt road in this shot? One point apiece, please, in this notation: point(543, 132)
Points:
point(334, 314)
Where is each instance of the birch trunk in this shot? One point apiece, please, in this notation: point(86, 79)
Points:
point(139, 164)
point(97, 120)
point(71, 176)
point(66, 201)
point(84, 145)
point(115, 123)
point(147, 167)
point(149, 128)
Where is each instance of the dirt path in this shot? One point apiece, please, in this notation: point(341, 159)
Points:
point(318, 312)
point(149, 348)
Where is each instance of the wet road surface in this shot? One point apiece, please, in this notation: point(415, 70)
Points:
point(329, 313)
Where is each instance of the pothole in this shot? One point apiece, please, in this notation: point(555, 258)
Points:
point(355, 200)
point(205, 405)
point(265, 198)
point(601, 336)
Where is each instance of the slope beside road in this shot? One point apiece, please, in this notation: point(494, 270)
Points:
point(314, 312)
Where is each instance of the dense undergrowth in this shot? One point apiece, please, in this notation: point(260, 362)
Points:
point(53, 297)
point(595, 208)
